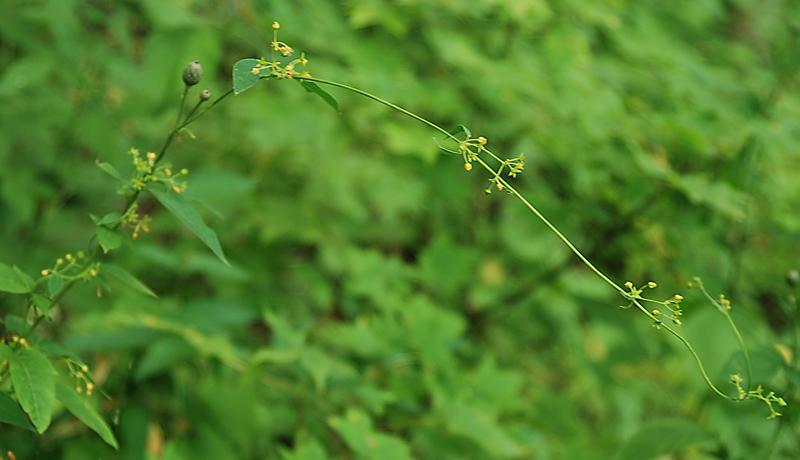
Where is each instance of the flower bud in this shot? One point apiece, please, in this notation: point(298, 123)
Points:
point(192, 73)
point(205, 95)
point(793, 278)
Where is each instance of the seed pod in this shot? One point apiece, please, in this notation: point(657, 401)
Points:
point(192, 73)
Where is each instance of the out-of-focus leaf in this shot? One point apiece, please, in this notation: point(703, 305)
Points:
point(12, 414)
point(356, 429)
point(663, 437)
point(307, 450)
point(14, 280)
point(480, 425)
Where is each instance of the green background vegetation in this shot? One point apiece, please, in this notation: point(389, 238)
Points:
point(379, 304)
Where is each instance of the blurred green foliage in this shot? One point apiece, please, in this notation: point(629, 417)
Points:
point(378, 304)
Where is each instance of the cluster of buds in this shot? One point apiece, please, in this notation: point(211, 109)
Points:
point(275, 68)
point(81, 373)
point(140, 223)
point(69, 267)
point(147, 170)
point(281, 47)
point(672, 305)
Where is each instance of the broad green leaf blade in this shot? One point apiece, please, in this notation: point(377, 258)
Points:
point(185, 212)
point(663, 437)
point(108, 239)
point(34, 383)
point(312, 87)
point(12, 414)
point(461, 129)
point(125, 276)
point(79, 406)
point(54, 284)
point(110, 218)
point(43, 303)
point(14, 280)
point(243, 76)
point(110, 170)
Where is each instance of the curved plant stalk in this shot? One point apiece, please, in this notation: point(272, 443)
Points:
point(633, 295)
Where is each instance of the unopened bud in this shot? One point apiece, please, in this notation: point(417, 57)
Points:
point(192, 73)
point(793, 278)
point(205, 95)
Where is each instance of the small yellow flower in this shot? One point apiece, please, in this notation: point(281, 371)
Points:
point(656, 312)
point(468, 166)
point(275, 25)
point(651, 284)
point(678, 297)
point(256, 70)
point(628, 284)
point(45, 272)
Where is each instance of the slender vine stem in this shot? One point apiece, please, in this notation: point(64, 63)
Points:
point(564, 239)
point(130, 202)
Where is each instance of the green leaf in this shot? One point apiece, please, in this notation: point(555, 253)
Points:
point(11, 413)
point(243, 76)
point(355, 427)
point(663, 437)
point(461, 129)
point(185, 212)
point(125, 276)
point(110, 218)
point(43, 303)
point(108, 239)
point(312, 87)
point(79, 406)
point(14, 280)
point(54, 283)
point(34, 383)
point(110, 170)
